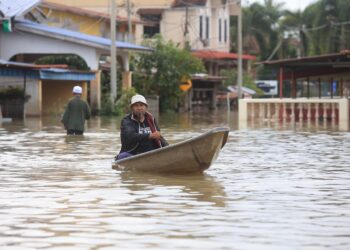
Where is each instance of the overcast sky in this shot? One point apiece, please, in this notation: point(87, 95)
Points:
point(288, 4)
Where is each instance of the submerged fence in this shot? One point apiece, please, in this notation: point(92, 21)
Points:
point(301, 109)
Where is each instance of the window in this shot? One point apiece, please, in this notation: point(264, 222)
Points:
point(201, 27)
point(225, 31)
point(220, 30)
point(150, 31)
point(207, 28)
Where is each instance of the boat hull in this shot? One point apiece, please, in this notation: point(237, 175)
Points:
point(191, 156)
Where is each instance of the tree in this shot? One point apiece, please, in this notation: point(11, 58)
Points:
point(260, 28)
point(73, 61)
point(159, 72)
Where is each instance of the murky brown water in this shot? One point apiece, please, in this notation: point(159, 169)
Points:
point(272, 187)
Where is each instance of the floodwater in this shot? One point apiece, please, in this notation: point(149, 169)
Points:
point(273, 186)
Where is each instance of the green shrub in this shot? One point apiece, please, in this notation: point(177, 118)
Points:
point(11, 93)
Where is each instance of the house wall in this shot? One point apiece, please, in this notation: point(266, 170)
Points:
point(84, 24)
point(173, 19)
point(103, 5)
point(6, 81)
point(32, 88)
point(92, 25)
point(16, 43)
point(56, 94)
point(173, 26)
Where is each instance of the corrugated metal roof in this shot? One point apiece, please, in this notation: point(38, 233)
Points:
point(37, 71)
point(12, 8)
point(309, 59)
point(30, 65)
point(75, 37)
point(63, 74)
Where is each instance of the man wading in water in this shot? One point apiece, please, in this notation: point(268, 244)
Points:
point(77, 111)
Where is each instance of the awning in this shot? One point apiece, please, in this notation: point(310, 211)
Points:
point(62, 74)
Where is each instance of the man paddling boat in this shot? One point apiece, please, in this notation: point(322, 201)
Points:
point(139, 131)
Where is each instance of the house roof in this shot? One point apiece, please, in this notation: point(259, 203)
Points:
point(335, 65)
point(75, 37)
point(47, 71)
point(212, 54)
point(327, 59)
point(30, 65)
point(65, 74)
point(13, 8)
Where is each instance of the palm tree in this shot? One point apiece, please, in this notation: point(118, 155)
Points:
point(260, 29)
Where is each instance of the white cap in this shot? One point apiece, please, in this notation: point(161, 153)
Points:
point(138, 98)
point(77, 90)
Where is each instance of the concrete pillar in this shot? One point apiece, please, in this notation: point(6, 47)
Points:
point(34, 105)
point(333, 111)
point(344, 114)
point(325, 111)
point(317, 110)
point(308, 114)
point(242, 110)
point(95, 92)
point(213, 98)
point(284, 114)
point(261, 110)
point(126, 80)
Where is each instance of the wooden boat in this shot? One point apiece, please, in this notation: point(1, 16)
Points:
point(190, 156)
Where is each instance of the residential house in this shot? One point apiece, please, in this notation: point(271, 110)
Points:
point(26, 41)
point(201, 25)
point(47, 88)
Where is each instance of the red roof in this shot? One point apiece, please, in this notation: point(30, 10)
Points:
point(212, 54)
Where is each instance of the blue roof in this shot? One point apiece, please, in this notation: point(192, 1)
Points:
point(12, 8)
point(63, 74)
point(74, 36)
point(19, 69)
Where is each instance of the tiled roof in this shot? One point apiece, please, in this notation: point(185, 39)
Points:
point(212, 54)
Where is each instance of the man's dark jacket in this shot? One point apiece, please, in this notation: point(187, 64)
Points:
point(77, 111)
point(130, 137)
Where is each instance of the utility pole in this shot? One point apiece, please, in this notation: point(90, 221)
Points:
point(129, 20)
point(113, 82)
point(187, 45)
point(240, 71)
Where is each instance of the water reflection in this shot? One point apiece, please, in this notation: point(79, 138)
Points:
point(201, 187)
